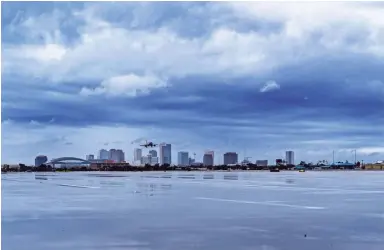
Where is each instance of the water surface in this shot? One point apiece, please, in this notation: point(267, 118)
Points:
point(193, 210)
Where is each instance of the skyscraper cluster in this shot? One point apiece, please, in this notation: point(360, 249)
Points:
point(164, 156)
point(150, 159)
point(115, 155)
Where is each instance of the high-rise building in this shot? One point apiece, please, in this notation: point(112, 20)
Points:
point(153, 153)
point(208, 158)
point(165, 152)
point(182, 159)
point(137, 154)
point(90, 157)
point(120, 155)
point(290, 157)
point(40, 159)
point(103, 154)
point(116, 155)
point(230, 158)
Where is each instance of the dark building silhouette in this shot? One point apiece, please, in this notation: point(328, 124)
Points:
point(208, 158)
point(230, 158)
point(40, 159)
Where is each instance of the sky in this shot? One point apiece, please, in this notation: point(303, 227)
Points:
point(256, 78)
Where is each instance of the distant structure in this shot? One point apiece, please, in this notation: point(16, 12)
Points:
point(154, 160)
point(183, 159)
point(262, 163)
point(149, 159)
point(230, 158)
point(208, 158)
point(103, 154)
point(113, 155)
point(116, 155)
point(191, 161)
point(137, 155)
point(121, 155)
point(146, 159)
point(90, 157)
point(153, 153)
point(40, 159)
point(289, 158)
point(165, 152)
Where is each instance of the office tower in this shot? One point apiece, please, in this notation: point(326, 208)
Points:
point(120, 155)
point(208, 158)
point(230, 158)
point(153, 153)
point(182, 159)
point(103, 154)
point(165, 153)
point(289, 157)
point(137, 154)
point(90, 157)
point(114, 155)
point(40, 159)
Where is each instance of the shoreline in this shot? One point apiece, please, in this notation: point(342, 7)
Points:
point(195, 170)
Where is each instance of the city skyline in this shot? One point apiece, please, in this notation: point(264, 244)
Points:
point(77, 77)
point(183, 158)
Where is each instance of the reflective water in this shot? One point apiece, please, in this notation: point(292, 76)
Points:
point(193, 210)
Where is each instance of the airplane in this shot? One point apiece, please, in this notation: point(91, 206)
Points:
point(149, 144)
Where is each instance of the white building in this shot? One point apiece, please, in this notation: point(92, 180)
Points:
point(165, 152)
point(103, 154)
point(137, 154)
point(182, 159)
point(146, 159)
point(290, 157)
point(149, 160)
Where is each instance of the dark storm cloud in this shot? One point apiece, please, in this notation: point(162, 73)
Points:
point(316, 93)
point(322, 98)
point(328, 83)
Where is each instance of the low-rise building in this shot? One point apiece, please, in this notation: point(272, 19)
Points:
point(262, 163)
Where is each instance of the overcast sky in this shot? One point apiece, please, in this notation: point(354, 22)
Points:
point(256, 78)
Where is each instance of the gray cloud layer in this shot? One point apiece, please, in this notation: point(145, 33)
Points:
point(260, 80)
